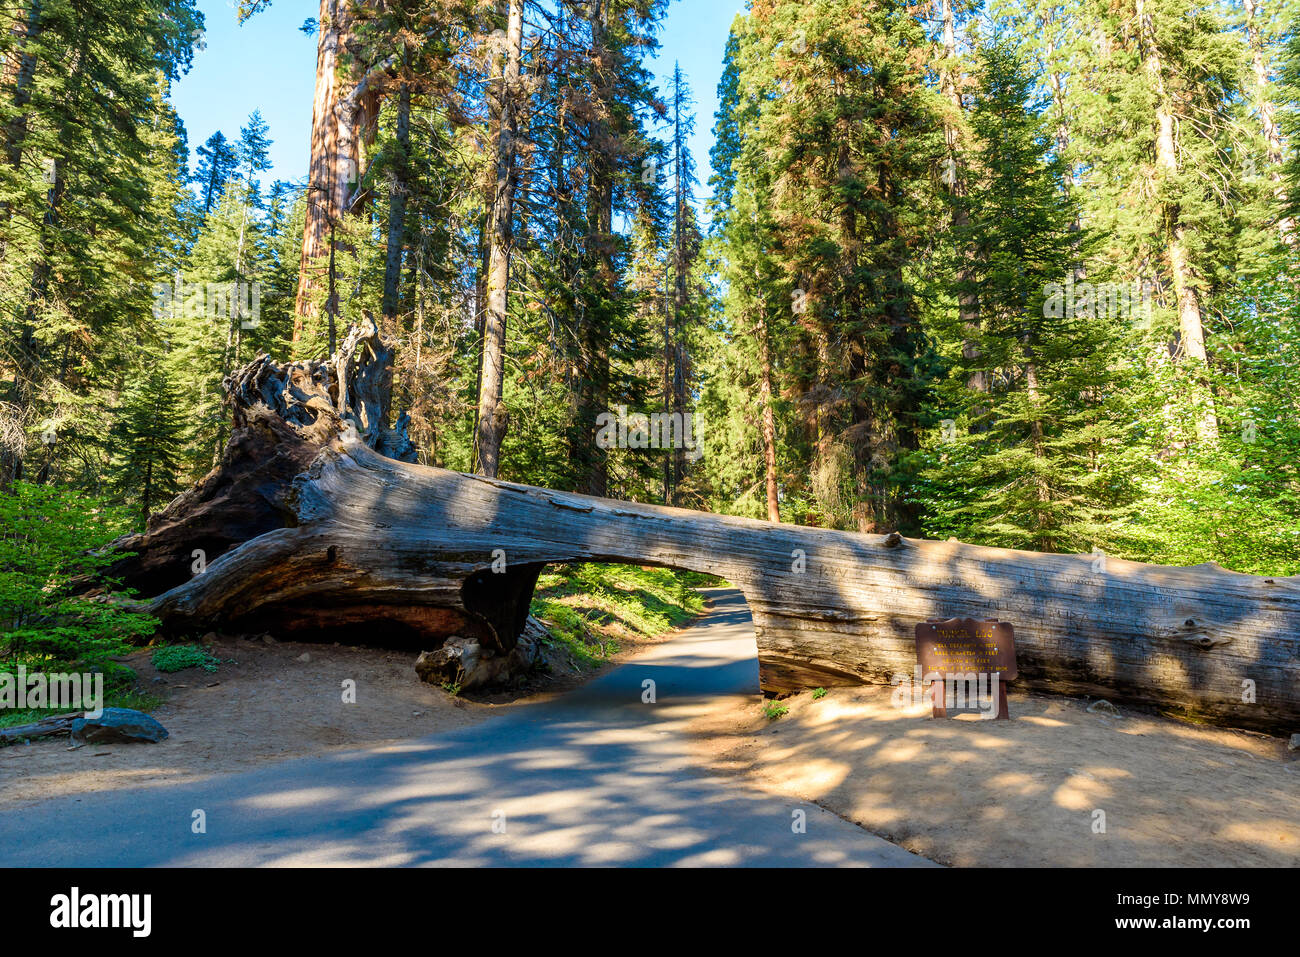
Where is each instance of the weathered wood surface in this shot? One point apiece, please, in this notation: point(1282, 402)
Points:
point(282, 417)
point(55, 724)
point(355, 540)
point(394, 544)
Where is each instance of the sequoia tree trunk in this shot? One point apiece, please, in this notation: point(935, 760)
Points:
point(493, 419)
point(321, 210)
point(282, 417)
point(343, 115)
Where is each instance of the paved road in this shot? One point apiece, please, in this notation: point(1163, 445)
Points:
point(596, 777)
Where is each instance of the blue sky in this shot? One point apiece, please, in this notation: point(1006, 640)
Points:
point(268, 65)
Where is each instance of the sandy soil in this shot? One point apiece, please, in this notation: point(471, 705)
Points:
point(1023, 792)
point(266, 702)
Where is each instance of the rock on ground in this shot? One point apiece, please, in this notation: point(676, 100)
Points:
point(117, 725)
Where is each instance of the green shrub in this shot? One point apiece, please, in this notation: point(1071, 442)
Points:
point(49, 538)
point(171, 658)
point(774, 709)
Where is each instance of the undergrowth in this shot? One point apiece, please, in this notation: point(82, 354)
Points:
point(169, 658)
point(591, 608)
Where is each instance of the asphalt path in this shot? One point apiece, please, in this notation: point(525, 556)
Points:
point(596, 777)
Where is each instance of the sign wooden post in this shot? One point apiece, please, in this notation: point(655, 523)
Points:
point(963, 648)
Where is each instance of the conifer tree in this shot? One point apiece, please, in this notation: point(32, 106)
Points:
point(855, 137)
point(148, 440)
point(1028, 455)
point(84, 126)
point(217, 161)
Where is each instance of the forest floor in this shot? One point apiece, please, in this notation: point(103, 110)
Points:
point(270, 701)
point(1023, 792)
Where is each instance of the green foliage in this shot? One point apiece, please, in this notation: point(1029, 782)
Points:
point(148, 441)
point(93, 211)
point(217, 161)
point(818, 693)
point(774, 709)
point(1238, 502)
point(49, 538)
point(1019, 462)
point(1011, 420)
point(170, 658)
point(827, 152)
point(588, 606)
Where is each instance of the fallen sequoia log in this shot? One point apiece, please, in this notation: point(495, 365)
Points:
point(355, 541)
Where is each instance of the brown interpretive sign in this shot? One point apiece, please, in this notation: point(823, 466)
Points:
point(963, 650)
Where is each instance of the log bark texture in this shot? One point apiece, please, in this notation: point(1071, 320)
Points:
point(339, 537)
point(46, 727)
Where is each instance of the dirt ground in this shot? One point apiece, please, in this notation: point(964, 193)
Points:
point(265, 702)
point(1024, 792)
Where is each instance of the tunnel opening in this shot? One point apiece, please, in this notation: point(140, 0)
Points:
point(603, 611)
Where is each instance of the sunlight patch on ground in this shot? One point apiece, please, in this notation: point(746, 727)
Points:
point(1023, 792)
